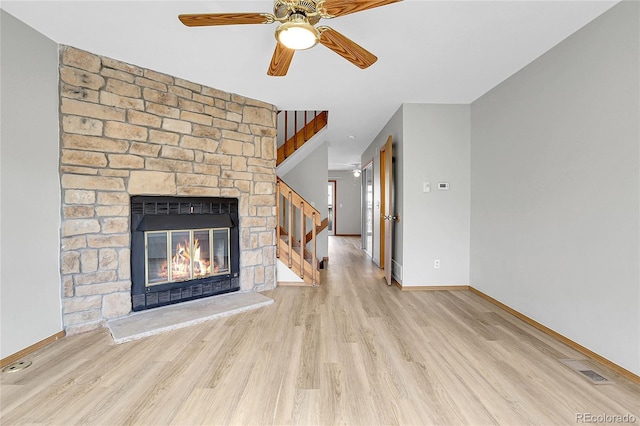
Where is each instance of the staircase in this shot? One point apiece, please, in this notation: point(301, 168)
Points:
point(298, 222)
point(295, 247)
point(297, 127)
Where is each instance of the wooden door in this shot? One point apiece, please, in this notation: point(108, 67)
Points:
point(388, 214)
point(382, 208)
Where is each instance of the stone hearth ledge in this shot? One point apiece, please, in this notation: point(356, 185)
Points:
point(138, 325)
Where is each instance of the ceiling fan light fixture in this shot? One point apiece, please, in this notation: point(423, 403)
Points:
point(297, 33)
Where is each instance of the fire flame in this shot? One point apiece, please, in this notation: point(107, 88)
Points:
point(181, 263)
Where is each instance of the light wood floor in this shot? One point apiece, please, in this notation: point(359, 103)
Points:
point(353, 351)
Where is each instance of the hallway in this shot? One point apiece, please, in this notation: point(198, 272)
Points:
point(352, 351)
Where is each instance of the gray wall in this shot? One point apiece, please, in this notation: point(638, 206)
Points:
point(436, 149)
point(309, 179)
point(29, 271)
point(555, 195)
point(431, 143)
point(348, 200)
point(393, 128)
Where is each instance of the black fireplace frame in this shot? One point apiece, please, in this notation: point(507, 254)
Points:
point(156, 213)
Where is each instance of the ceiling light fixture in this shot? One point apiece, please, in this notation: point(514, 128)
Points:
point(356, 172)
point(297, 33)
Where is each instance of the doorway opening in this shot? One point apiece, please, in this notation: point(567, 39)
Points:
point(367, 211)
point(331, 203)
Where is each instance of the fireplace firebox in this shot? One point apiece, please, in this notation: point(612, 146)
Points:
point(183, 249)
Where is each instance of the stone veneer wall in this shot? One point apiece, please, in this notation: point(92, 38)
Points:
point(127, 130)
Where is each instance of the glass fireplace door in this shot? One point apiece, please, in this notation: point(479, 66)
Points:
point(221, 251)
point(182, 255)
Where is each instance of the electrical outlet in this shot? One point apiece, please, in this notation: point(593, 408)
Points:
point(436, 264)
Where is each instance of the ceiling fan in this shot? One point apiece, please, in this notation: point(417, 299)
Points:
point(297, 30)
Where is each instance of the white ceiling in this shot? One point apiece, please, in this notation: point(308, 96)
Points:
point(429, 52)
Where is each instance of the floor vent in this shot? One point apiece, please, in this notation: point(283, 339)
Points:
point(16, 366)
point(586, 372)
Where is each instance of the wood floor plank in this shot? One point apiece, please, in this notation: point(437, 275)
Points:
point(352, 351)
point(309, 365)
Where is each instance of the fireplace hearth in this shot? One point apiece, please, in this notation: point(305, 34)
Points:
point(183, 249)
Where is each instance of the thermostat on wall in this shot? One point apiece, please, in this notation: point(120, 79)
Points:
point(443, 186)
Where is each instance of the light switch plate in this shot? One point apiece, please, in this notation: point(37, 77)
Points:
point(426, 186)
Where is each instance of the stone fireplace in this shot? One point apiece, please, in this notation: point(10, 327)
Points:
point(130, 132)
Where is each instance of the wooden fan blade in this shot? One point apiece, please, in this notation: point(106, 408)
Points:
point(346, 48)
point(345, 7)
point(280, 61)
point(209, 19)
